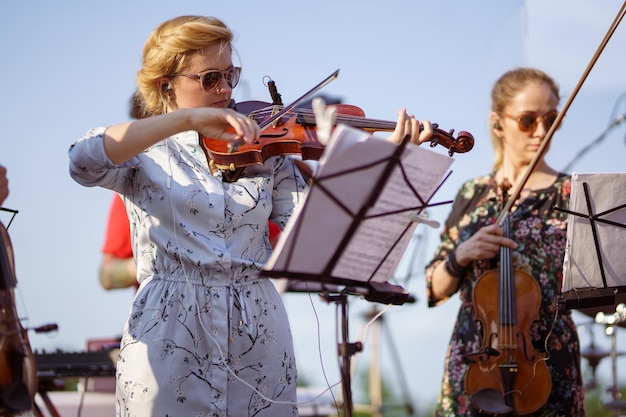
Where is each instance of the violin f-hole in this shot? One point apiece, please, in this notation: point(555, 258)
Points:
point(281, 134)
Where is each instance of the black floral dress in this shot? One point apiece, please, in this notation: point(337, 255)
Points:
point(540, 232)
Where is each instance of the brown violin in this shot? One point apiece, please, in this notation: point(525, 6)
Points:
point(294, 133)
point(18, 371)
point(507, 376)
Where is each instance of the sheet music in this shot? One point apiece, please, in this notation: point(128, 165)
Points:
point(581, 264)
point(346, 176)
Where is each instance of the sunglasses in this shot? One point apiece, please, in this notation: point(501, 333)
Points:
point(527, 122)
point(210, 79)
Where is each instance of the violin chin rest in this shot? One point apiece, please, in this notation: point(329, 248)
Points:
point(15, 397)
point(490, 401)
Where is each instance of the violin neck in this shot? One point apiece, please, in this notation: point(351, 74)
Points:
point(372, 125)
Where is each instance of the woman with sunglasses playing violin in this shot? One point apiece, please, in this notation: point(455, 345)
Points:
point(524, 107)
point(206, 336)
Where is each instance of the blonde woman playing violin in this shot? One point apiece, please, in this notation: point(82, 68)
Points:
point(206, 336)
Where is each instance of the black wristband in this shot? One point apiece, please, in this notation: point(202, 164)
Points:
point(452, 266)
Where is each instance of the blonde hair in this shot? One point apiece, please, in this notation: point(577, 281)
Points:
point(168, 49)
point(505, 89)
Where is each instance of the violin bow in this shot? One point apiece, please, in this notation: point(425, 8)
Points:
point(233, 146)
point(544, 144)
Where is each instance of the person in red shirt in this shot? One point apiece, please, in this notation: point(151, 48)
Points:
point(117, 267)
point(274, 231)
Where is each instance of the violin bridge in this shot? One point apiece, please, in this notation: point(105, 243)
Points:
point(275, 110)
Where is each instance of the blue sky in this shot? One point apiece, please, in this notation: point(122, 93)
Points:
point(70, 65)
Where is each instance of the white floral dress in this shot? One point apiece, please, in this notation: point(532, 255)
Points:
point(206, 336)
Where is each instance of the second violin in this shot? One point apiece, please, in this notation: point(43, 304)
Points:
point(507, 375)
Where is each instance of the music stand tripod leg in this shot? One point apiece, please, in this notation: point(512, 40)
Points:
point(345, 350)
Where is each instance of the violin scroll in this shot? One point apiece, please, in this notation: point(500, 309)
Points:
point(464, 141)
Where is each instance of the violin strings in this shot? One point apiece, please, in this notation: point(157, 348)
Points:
point(355, 120)
point(507, 290)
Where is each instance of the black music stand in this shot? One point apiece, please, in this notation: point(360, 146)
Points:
point(356, 222)
point(593, 278)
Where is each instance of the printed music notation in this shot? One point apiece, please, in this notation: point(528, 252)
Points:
point(350, 229)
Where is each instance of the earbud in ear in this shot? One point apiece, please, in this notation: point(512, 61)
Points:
point(166, 88)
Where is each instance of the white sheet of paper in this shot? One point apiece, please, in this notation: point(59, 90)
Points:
point(346, 176)
point(581, 268)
